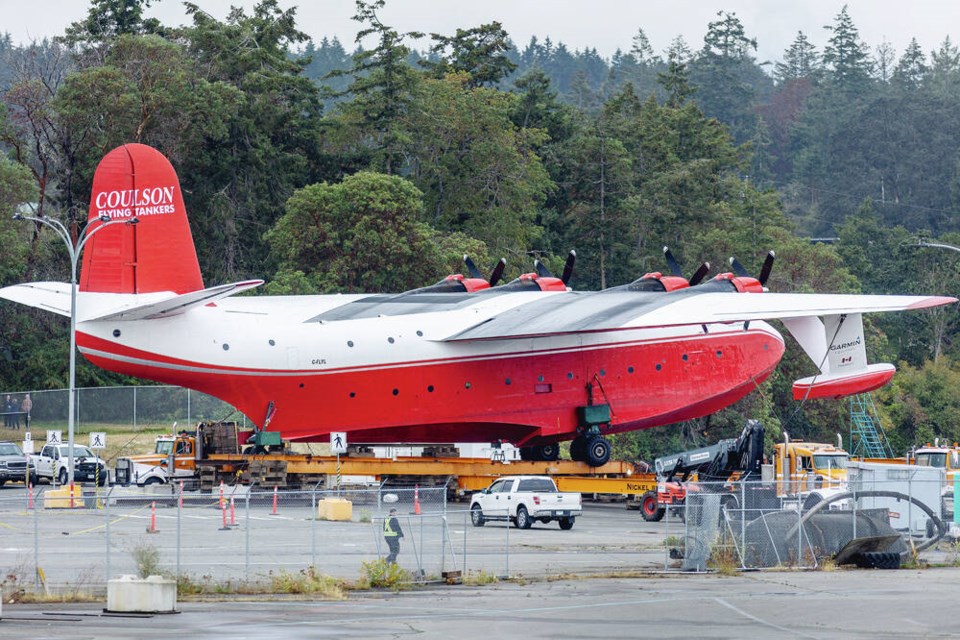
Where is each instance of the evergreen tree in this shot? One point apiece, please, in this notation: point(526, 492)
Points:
point(846, 57)
point(383, 83)
point(800, 61)
point(480, 52)
point(911, 70)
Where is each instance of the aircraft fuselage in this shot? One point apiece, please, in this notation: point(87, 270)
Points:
point(336, 363)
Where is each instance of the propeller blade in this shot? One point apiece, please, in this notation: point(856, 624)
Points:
point(700, 274)
point(471, 267)
point(568, 267)
point(498, 272)
point(541, 269)
point(738, 268)
point(672, 262)
point(767, 268)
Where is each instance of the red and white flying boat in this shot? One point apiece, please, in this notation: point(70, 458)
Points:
point(528, 362)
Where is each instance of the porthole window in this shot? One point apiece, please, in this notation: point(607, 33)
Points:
point(685, 357)
point(430, 388)
point(466, 385)
point(420, 334)
point(349, 343)
point(570, 375)
point(272, 343)
point(396, 392)
point(353, 394)
point(719, 354)
point(629, 369)
point(603, 372)
point(301, 385)
point(391, 340)
point(116, 333)
point(226, 347)
point(659, 366)
point(507, 382)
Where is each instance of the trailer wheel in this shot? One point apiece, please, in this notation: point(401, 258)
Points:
point(476, 516)
point(650, 507)
point(523, 520)
point(152, 480)
point(567, 523)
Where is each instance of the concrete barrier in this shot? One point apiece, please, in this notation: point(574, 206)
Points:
point(130, 594)
point(335, 509)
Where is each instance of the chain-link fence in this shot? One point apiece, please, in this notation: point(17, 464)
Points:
point(883, 515)
point(120, 407)
point(230, 536)
point(248, 535)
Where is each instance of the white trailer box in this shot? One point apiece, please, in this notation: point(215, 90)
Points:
point(924, 484)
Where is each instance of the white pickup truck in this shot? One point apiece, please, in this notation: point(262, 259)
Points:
point(524, 500)
point(53, 461)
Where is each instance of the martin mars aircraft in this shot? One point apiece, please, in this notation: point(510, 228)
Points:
point(529, 362)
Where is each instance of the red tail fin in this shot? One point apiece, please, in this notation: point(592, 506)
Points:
point(157, 253)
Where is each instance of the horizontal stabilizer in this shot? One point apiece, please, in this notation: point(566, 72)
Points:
point(179, 304)
point(55, 297)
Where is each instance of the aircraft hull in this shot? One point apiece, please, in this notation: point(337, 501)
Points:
point(524, 391)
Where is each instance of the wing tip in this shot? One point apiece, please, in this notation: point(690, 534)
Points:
point(932, 301)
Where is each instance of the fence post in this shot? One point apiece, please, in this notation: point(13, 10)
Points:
point(36, 547)
point(246, 526)
point(179, 519)
point(313, 527)
point(507, 561)
point(466, 518)
point(106, 510)
point(743, 524)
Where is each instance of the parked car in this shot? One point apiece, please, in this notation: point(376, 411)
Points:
point(524, 500)
point(52, 463)
point(14, 464)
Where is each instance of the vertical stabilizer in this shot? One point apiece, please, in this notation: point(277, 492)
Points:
point(157, 253)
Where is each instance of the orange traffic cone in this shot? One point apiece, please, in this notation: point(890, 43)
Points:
point(416, 499)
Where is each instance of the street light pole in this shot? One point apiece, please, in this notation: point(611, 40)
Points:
point(74, 251)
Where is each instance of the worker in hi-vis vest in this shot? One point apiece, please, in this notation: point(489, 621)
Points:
point(392, 534)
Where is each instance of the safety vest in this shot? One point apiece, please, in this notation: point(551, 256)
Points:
point(388, 531)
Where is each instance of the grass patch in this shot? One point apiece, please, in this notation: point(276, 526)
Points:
point(479, 578)
point(380, 574)
point(723, 559)
point(307, 581)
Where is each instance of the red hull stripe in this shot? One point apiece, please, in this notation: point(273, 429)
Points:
point(92, 346)
point(521, 397)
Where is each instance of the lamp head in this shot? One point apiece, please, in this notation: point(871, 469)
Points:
point(104, 217)
point(133, 220)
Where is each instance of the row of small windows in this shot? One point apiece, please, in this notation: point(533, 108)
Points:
point(540, 378)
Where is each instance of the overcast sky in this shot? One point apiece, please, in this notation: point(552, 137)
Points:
point(603, 24)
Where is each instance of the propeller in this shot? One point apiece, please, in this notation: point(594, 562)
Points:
point(544, 272)
point(764, 271)
point(675, 269)
point(474, 272)
point(472, 267)
point(498, 272)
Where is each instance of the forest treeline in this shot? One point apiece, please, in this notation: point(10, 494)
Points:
point(322, 170)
